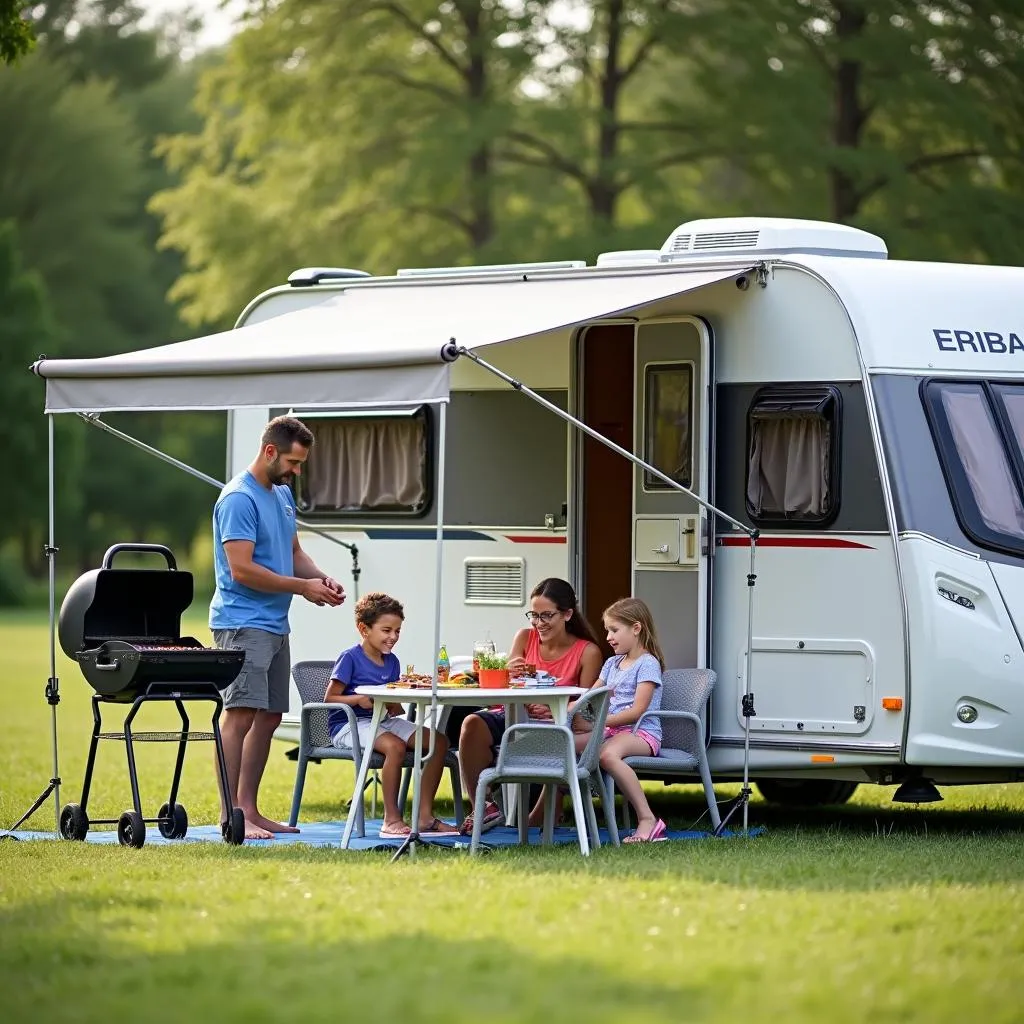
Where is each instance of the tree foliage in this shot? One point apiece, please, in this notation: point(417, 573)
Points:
point(904, 116)
point(16, 35)
point(79, 118)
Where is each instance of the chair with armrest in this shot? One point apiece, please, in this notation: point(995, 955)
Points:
point(311, 678)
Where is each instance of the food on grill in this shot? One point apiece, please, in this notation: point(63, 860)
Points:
point(123, 627)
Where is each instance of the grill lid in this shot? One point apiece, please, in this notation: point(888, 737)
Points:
point(117, 604)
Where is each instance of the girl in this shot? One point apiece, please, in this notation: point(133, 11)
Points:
point(634, 675)
point(560, 641)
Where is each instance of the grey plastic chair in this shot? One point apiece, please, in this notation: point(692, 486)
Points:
point(684, 701)
point(311, 678)
point(546, 753)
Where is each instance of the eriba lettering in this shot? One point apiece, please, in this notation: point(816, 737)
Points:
point(978, 342)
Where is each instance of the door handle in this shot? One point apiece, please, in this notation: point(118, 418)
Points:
point(663, 550)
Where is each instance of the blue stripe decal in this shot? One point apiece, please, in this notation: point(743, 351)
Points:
point(390, 533)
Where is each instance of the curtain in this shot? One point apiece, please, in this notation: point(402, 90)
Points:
point(984, 459)
point(360, 464)
point(788, 468)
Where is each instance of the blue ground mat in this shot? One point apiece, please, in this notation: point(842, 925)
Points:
point(328, 834)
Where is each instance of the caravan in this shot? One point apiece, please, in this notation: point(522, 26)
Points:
point(864, 415)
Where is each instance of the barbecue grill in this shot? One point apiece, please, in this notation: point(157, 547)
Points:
point(123, 627)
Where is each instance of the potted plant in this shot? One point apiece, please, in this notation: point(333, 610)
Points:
point(493, 671)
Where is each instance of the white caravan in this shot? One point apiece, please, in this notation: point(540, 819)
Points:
point(866, 415)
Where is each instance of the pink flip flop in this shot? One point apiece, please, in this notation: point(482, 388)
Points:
point(658, 834)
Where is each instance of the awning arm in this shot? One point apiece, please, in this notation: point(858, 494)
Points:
point(93, 418)
point(454, 350)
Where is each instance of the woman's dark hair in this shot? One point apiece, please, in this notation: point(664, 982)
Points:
point(563, 597)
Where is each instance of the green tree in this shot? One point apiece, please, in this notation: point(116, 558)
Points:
point(903, 116)
point(26, 332)
point(16, 36)
point(343, 131)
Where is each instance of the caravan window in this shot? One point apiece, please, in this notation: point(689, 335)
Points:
point(979, 432)
point(366, 462)
point(793, 456)
point(668, 427)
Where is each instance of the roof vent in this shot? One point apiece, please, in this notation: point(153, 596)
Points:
point(307, 276)
point(628, 257)
point(769, 236)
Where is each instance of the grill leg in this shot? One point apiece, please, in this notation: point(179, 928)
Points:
point(97, 724)
point(133, 777)
point(222, 767)
point(182, 743)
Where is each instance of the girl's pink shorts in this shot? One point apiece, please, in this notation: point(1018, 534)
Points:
point(652, 741)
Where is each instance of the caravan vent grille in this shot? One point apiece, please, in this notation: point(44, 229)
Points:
point(681, 243)
point(495, 581)
point(725, 240)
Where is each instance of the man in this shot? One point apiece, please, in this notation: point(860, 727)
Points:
point(259, 565)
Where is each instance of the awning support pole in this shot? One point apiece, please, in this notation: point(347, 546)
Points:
point(93, 418)
point(454, 350)
point(418, 761)
point(52, 690)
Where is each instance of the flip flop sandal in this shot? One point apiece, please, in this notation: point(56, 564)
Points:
point(434, 829)
point(658, 834)
point(396, 833)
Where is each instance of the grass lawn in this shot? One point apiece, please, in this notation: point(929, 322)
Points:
point(873, 912)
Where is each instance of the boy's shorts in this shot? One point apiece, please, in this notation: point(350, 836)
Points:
point(400, 727)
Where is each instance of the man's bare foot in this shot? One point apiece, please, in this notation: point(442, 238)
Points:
point(274, 826)
point(253, 831)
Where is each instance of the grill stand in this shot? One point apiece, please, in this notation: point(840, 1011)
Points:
point(171, 819)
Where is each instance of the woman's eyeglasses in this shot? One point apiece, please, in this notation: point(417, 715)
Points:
point(544, 617)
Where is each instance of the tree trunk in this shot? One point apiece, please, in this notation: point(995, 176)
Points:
point(478, 170)
point(603, 190)
point(849, 115)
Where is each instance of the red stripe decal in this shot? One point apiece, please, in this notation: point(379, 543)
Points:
point(793, 542)
point(535, 540)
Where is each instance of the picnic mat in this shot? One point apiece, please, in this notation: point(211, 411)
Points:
point(328, 834)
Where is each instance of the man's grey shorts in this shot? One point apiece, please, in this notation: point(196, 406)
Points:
point(263, 681)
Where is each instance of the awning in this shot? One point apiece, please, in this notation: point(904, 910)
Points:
point(370, 345)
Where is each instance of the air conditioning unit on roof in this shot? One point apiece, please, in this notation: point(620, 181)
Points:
point(764, 236)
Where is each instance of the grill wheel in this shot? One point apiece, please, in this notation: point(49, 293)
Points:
point(234, 830)
point(74, 822)
point(131, 830)
point(173, 822)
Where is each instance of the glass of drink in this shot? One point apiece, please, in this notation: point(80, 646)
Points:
point(481, 647)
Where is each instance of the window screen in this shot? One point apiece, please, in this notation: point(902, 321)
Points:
point(668, 426)
point(366, 463)
point(793, 456)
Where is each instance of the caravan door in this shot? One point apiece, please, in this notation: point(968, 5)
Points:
point(671, 544)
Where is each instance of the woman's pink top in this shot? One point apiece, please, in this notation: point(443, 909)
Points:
point(565, 669)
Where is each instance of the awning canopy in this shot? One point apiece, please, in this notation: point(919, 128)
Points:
point(369, 345)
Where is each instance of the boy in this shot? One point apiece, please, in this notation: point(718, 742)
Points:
point(379, 620)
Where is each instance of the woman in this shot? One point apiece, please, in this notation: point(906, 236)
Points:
point(560, 642)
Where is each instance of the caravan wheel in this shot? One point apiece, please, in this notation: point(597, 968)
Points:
point(806, 792)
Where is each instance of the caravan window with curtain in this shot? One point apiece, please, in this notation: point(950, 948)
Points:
point(366, 462)
point(793, 456)
point(979, 433)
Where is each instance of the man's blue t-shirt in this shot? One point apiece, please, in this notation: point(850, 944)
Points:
point(246, 510)
point(354, 668)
